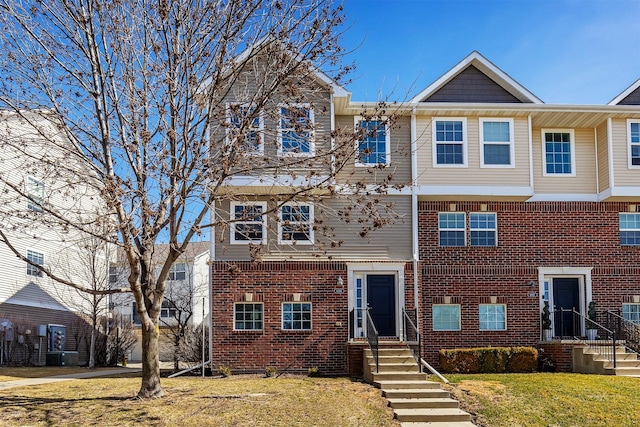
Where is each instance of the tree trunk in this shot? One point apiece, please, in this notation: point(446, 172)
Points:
point(92, 348)
point(151, 387)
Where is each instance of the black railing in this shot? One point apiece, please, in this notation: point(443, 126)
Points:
point(568, 323)
point(412, 337)
point(628, 332)
point(372, 338)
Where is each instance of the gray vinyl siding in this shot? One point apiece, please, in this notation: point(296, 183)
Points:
point(471, 85)
point(390, 242)
point(400, 155)
point(632, 99)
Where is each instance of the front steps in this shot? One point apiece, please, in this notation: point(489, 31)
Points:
point(416, 402)
point(588, 361)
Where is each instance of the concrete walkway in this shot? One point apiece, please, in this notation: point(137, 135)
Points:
point(78, 375)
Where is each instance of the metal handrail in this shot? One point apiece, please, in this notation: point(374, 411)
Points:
point(414, 341)
point(628, 331)
point(372, 338)
point(599, 339)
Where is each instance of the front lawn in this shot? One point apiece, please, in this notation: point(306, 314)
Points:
point(549, 399)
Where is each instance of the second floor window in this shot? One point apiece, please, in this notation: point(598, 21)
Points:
point(629, 229)
point(35, 191)
point(168, 310)
point(178, 271)
point(248, 223)
point(295, 130)
point(113, 274)
point(496, 137)
point(245, 128)
point(35, 258)
point(450, 142)
point(296, 224)
point(373, 142)
point(558, 153)
point(634, 143)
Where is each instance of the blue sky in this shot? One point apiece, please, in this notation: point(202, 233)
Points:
point(564, 51)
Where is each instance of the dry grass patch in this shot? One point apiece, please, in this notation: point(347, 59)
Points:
point(191, 402)
point(11, 374)
point(544, 399)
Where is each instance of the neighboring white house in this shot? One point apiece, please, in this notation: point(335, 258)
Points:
point(43, 183)
point(186, 296)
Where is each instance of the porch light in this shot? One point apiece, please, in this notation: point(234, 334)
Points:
point(339, 281)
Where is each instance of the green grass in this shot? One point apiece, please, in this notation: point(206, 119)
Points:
point(546, 399)
point(194, 401)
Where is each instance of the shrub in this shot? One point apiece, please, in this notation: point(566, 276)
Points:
point(489, 360)
point(270, 372)
point(314, 371)
point(225, 371)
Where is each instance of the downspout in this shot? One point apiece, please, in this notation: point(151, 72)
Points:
point(595, 143)
point(610, 147)
point(414, 213)
point(530, 155)
point(212, 257)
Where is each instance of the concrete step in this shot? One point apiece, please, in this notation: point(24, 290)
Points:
point(432, 415)
point(396, 367)
point(438, 402)
point(385, 352)
point(403, 385)
point(631, 372)
point(399, 376)
point(405, 358)
point(416, 393)
point(623, 364)
point(439, 424)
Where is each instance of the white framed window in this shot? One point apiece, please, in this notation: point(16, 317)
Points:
point(493, 317)
point(35, 193)
point(113, 274)
point(248, 223)
point(451, 229)
point(178, 271)
point(295, 224)
point(296, 130)
point(35, 258)
point(373, 142)
point(629, 228)
point(246, 124)
point(446, 317)
point(496, 143)
point(296, 316)
point(558, 152)
point(248, 316)
point(483, 229)
point(449, 142)
point(168, 310)
point(631, 312)
point(633, 136)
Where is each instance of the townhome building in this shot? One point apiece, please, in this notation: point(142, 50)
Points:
point(497, 204)
point(38, 188)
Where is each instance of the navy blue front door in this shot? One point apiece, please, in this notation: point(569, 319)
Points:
point(381, 299)
point(566, 295)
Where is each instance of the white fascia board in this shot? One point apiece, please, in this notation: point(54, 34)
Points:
point(488, 68)
point(468, 190)
point(588, 197)
point(624, 191)
point(280, 181)
point(625, 93)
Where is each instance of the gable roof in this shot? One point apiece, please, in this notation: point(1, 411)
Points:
point(477, 67)
point(629, 96)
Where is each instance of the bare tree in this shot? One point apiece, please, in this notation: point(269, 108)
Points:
point(141, 89)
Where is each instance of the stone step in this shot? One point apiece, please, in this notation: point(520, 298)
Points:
point(416, 393)
point(439, 402)
point(432, 415)
point(399, 376)
point(403, 385)
point(439, 424)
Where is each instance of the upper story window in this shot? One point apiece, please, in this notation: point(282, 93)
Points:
point(244, 123)
point(493, 317)
point(633, 130)
point(35, 258)
point(248, 223)
point(629, 229)
point(248, 316)
point(496, 140)
point(168, 310)
point(373, 142)
point(113, 274)
point(450, 142)
point(296, 316)
point(35, 193)
point(296, 224)
point(452, 229)
point(178, 271)
point(451, 226)
point(295, 129)
point(558, 152)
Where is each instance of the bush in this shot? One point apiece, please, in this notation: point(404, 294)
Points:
point(224, 371)
point(314, 372)
point(489, 360)
point(270, 372)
